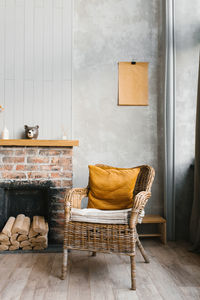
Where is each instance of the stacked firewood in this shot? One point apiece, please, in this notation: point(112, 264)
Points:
point(20, 233)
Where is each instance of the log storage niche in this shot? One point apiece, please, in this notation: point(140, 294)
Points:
point(21, 233)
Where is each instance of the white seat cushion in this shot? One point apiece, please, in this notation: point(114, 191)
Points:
point(92, 215)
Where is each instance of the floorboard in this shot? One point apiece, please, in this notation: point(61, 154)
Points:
point(173, 273)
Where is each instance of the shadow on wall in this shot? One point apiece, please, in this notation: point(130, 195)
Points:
point(184, 200)
point(193, 36)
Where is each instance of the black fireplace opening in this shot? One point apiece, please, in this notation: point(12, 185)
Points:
point(26, 198)
point(30, 202)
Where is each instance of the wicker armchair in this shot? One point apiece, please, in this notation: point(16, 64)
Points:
point(107, 238)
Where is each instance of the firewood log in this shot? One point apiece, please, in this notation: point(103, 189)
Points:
point(43, 245)
point(38, 248)
point(47, 229)
point(27, 248)
point(16, 244)
point(32, 233)
point(22, 237)
point(34, 243)
point(3, 247)
point(7, 243)
point(33, 240)
point(18, 224)
point(41, 239)
point(8, 226)
point(39, 224)
point(24, 244)
point(13, 247)
point(3, 237)
point(26, 226)
point(38, 243)
point(13, 237)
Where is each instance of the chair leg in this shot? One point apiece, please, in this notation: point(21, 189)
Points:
point(94, 253)
point(64, 265)
point(133, 281)
point(142, 251)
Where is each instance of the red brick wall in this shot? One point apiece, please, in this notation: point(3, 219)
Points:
point(38, 164)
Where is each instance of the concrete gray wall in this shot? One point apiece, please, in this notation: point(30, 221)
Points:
point(106, 32)
point(187, 16)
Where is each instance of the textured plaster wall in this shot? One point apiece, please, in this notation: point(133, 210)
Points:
point(187, 18)
point(104, 33)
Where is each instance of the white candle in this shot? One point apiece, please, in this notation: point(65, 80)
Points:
point(5, 134)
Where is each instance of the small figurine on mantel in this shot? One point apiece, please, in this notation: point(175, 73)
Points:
point(31, 132)
point(5, 134)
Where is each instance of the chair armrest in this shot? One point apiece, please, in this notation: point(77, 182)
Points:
point(140, 201)
point(73, 198)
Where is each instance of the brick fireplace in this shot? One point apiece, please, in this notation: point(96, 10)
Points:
point(33, 172)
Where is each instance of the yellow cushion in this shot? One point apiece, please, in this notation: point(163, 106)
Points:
point(111, 188)
point(115, 168)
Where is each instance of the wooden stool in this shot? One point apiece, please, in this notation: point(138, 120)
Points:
point(156, 219)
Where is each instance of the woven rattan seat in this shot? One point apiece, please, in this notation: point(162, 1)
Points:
point(107, 238)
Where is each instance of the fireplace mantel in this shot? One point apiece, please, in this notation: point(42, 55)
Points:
point(39, 143)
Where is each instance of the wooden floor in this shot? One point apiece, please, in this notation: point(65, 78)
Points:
point(173, 273)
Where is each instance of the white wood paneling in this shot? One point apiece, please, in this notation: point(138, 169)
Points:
point(19, 67)
point(67, 31)
point(35, 66)
point(10, 32)
point(48, 40)
point(28, 39)
point(2, 56)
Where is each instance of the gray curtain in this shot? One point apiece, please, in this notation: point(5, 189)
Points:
point(195, 216)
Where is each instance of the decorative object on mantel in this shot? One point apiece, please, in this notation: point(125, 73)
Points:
point(133, 83)
point(5, 134)
point(31, 132)
point(64, 134)
point(20, 233)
